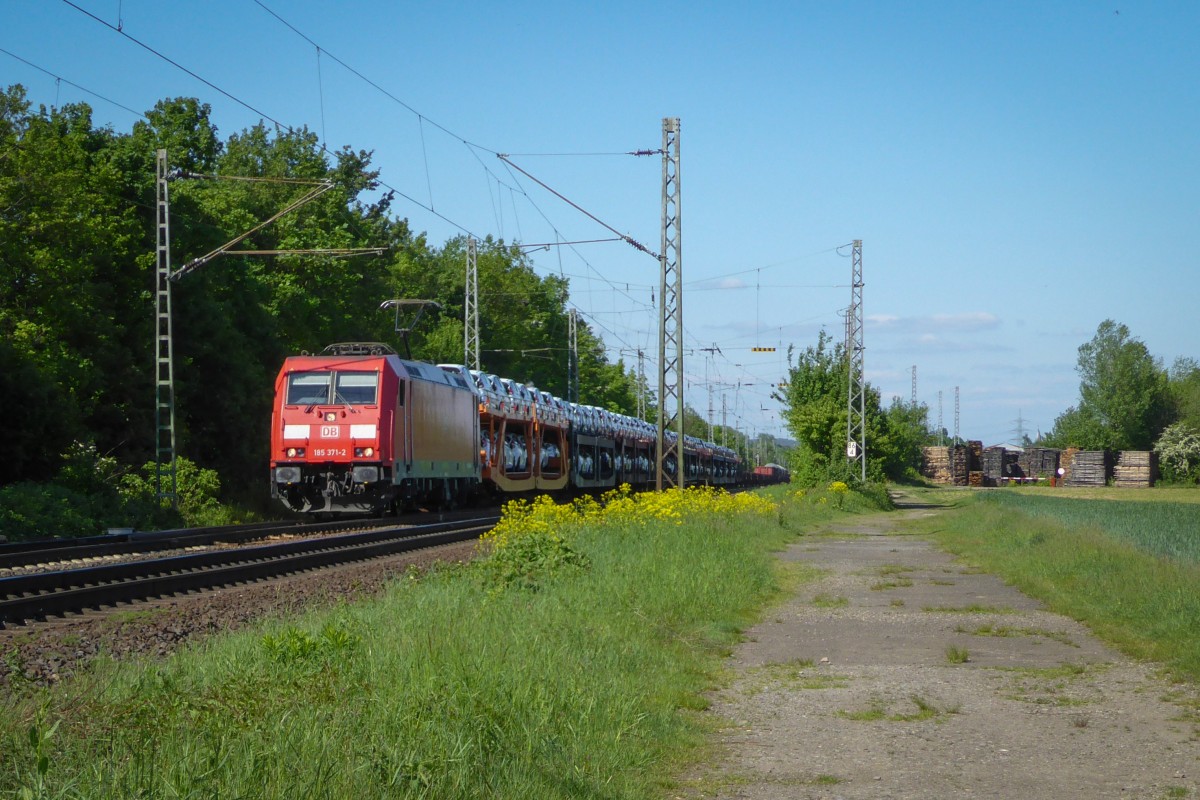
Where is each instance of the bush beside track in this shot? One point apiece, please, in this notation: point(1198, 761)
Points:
point(564, 664)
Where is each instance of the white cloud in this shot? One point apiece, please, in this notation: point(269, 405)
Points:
point(972, 320)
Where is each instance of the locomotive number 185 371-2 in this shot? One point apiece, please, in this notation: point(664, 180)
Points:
point(330, 452)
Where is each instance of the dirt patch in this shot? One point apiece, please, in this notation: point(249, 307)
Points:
point(903, 673)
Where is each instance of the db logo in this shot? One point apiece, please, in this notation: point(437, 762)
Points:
point(329, 431)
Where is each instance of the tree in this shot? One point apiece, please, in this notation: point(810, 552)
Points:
point(1124, 395)
point(1184, 381)
point(815, 412)
point(78, 237)
point(906, 431)
point(1179, 452)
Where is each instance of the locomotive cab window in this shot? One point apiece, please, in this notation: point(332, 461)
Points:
point(308, 388)
point(357, 388)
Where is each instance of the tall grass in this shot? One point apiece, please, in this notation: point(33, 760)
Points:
point(569, 671)
point(1170, 529)
point(1146, 604)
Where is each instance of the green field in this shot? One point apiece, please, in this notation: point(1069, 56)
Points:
point(1163, 527)
point(1128, 569)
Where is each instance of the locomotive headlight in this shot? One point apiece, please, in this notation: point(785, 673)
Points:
point(331, 416)
point(295, 452)
point(366, 474)
point(287, 474)
point(364, 452)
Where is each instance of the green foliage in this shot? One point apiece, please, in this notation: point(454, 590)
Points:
point(197, 492)
point(1185, 391)
point(293, 646)
point(78, 235)
point(33, 510)
point(92, 492)
point(529, 561)
point(815, 408)
point(1124, 395)
point(1179, 453)
point(43, 420)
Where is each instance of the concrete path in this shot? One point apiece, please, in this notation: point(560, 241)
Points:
point(902, 673)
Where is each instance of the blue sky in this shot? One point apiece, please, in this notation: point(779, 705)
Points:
point(1018, 172)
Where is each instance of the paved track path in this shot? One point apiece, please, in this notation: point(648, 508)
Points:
point(850, 689)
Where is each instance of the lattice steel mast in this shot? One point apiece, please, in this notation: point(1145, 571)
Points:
point(940, 426)
point(164, 385)
point(955, 415)
point(856, 404)
point(670, 327)
point(471, 308)
point(573, 356)
point(164, 406)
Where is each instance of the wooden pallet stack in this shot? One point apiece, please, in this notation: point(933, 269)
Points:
point(935, 464)
point(1040, 462)
point(951, 465)
point(960, 464)
point(992, 463)
point(1066, 460)
point(1090, 468)
point(975, 453)
point(1136, 468)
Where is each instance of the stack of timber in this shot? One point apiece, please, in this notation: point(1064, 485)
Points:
point(975, 478)
point(1012, 465)
point(1136, 468)
point(975, 452)
point(992, 463)
point(1090, 468)
point(935, 464)
point(950, 465)
point(1066, 460)
point(960, 464)
point(1040, 462)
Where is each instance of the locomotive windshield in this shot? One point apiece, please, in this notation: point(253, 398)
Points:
point(357, 388)
point(332, 388)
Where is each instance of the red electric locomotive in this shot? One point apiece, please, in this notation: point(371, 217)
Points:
point(358, 429)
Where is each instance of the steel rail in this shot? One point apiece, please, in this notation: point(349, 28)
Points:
point(51, 551)
point(36, 596)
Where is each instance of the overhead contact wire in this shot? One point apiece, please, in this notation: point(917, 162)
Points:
point(61, 79)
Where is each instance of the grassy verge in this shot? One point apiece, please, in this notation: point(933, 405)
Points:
point(567, 664)
point(1160, 527)
point(1097, 570)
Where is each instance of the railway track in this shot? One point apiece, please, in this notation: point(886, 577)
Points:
point(37, 595)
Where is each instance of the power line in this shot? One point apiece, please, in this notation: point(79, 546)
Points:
point(278, 123)
point(471, 146)
point(783, 263)
point(176, 64)
point(71, 83)
point(625, 237)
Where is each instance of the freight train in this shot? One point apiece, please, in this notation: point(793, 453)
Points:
point(360, 430)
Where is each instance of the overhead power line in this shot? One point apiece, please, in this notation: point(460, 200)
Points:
point(176, 64)
point(72, 83)
point(625, 237)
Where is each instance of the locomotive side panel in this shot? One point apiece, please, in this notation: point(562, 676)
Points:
point(443, 429)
